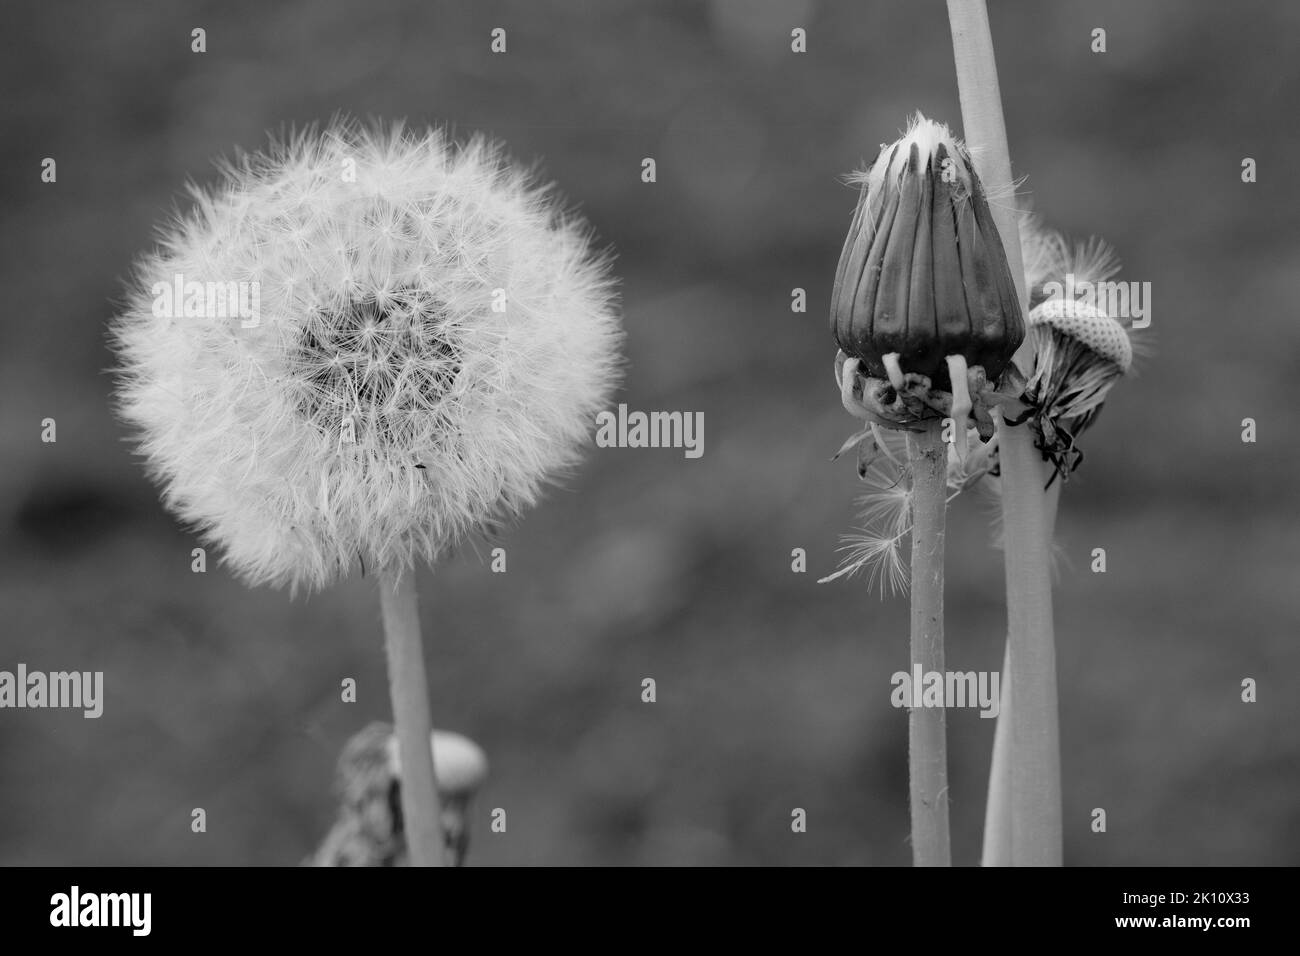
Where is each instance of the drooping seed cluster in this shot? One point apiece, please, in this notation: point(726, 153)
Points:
point(1077, 351)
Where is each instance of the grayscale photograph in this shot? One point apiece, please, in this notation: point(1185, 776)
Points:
point(649, 434)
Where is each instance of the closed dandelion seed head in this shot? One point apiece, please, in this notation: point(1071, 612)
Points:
point(923, 275)
point(435, 337)
point(926, 317)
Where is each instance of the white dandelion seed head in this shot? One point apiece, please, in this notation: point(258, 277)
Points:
point(384, 404)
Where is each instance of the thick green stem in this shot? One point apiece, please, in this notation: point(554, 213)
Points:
point(1035, 738)
point(926, 726)
point(997, 812)
point(1035, 734)
point(408, 687)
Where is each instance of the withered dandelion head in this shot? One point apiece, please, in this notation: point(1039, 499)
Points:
point(422, 341)
point(1077, 352)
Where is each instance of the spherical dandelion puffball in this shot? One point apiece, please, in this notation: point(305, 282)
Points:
point(360, 346)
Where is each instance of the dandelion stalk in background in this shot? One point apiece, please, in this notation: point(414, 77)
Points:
point(926, 319)
point(1035, 734)
point(430, 341)
point(1076, 354)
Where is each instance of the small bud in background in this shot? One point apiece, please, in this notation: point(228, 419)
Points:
point(459, 767)
point(369, 829)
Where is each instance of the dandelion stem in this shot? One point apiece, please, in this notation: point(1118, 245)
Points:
point(997, 812)
point(408, 687)
point(1035, 737)
point(926, 730)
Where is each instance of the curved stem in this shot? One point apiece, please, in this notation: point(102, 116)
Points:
point(408, 687)
point(926, 726)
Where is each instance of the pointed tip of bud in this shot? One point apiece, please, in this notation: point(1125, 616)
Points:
point(929, 135)
point(924, 145)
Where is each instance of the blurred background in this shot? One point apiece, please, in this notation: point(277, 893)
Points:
point(773, 691)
